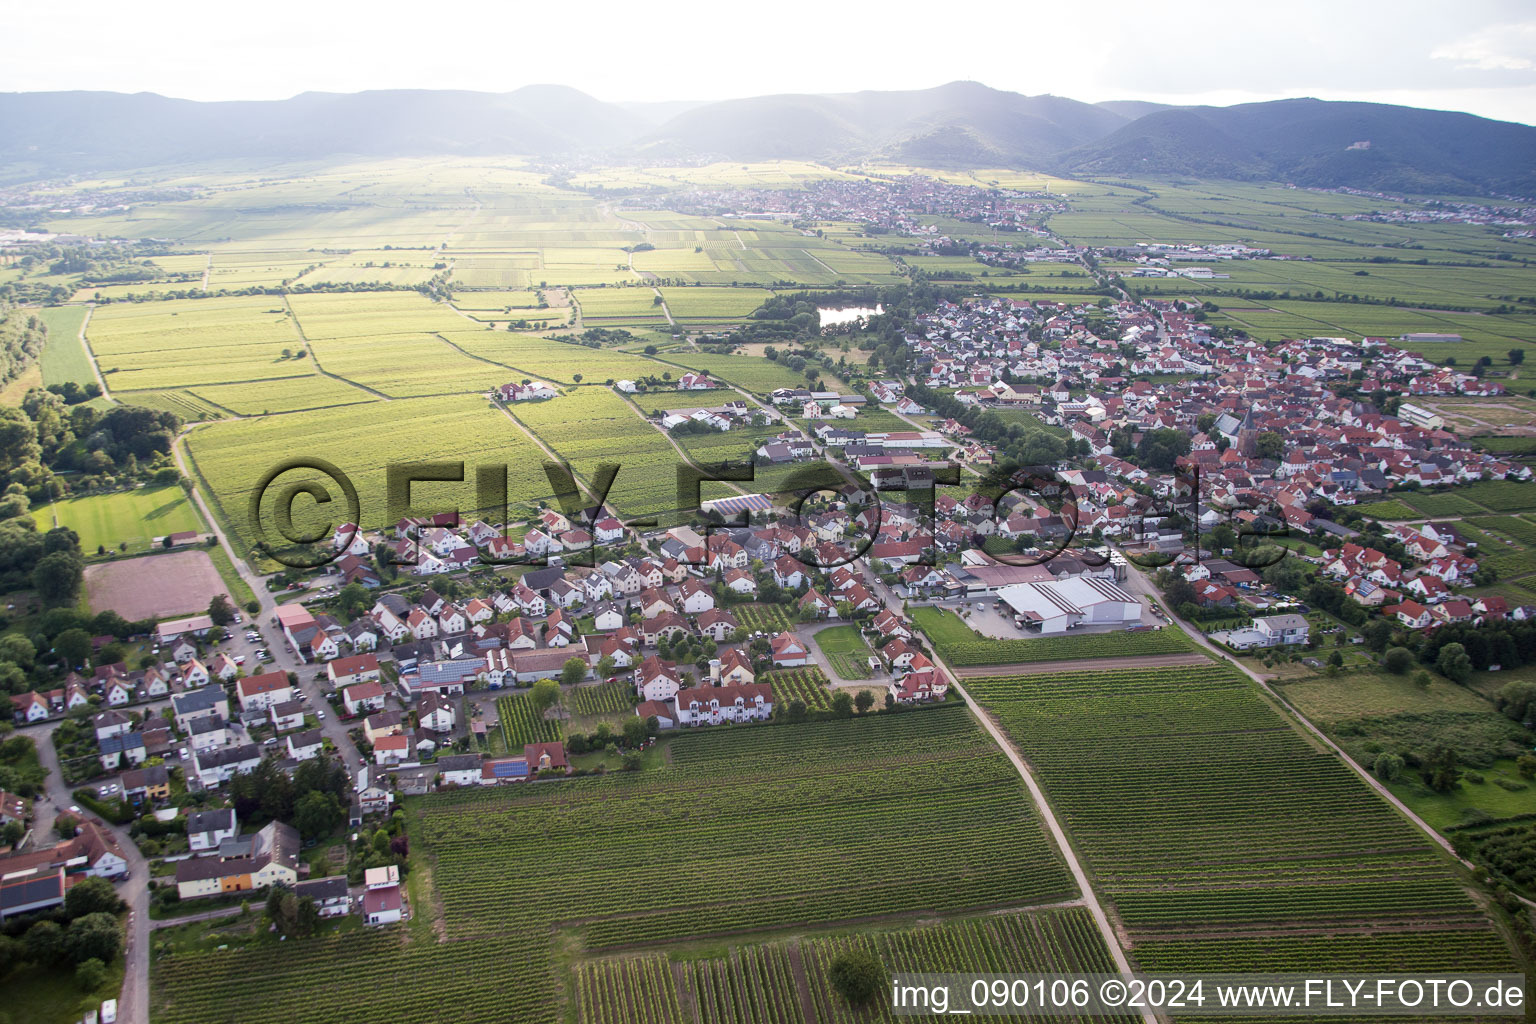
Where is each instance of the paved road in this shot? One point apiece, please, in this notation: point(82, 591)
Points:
point(807, 632)
point(284, 659)
point(133, 1003)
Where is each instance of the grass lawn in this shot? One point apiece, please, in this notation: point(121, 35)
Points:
point(1359, 694)
point(1469, 800)
point(942, 626)
point(137, 516)
point(846, 650)
point(40, 996)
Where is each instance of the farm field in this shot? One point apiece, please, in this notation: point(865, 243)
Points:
point(963, 647)
point(192, 341)
point(64, 358)
point(758, 983)
point(751, 373)
point(846, 651)
point(1294, 849)
point(361, 440)
point(132, 517)
point(550, 359)
point(825, 817)
point(293, 394)
point(713, 305)
point(590, 426)
point(618, 307)
point(807, 685)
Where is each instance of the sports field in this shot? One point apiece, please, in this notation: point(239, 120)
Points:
point(133, 517)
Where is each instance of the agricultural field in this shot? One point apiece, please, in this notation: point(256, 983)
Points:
point(522, 722)
point(185, 342)
point(807, 685)
point(230, 458)
point(767, 618)
point(846, 651)
point(758, 984)
point(292, 394)
point(963, 647)
point(824, 820)
point(618, 307)
point(751, 373)
point(590, 426)
point(550, 359)
point(713, 305)
point(133, 518)
point(601, 699)
point(1294, 850)
point(64, 358)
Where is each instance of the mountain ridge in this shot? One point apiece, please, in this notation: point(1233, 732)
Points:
point(959, 124)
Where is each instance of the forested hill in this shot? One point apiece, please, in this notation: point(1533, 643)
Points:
point(962, 124)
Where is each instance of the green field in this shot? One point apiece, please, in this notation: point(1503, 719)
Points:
point(64, 358)
point(846, 651)
point(815, 824)
point(361, 440)
point(591, 426)
point(107, 520)
point(962, 646)
point(1205, 818)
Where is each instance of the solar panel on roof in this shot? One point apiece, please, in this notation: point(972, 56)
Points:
point(509, 769)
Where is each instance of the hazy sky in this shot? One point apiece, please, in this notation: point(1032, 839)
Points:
point(1474, 55)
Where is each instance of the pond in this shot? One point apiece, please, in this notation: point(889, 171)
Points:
point(832, 317)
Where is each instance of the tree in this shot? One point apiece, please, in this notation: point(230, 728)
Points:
point(94, 935)
point(44, 943)
point(57, 576)
point(1269, 445)
point(92, 896)
point(634, 733)
point(1387, 767)
point(573, 671)
point(796, 711)
point(64, 826)
point(856, 975)
point(1454, 663)
point(1526, 763)
point(74, 646)
point(1397, 660)
point(90, 975)
point(842, 704)
point(1516, 356)
point(545, 693)
point(221, 611)
point(1377, 634)
point(605, 666)
point(1440, 772)
point(864, 701)
point(316, 813)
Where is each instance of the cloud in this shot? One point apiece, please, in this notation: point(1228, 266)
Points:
point(1510, 47)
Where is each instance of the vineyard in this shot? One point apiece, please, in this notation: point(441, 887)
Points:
point(601, 699)
point(769, 618)
point(1207, 818)
point(806, 685)
point(760, 984)
point(523, 723)
point(812, 824)
point(962, 646)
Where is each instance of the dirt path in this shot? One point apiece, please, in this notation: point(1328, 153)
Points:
point(298, 329)
point(547, 450)
point(670, 439)
point(1043, 808)
point(664, 310)
point(207, 270)
point(1081, 665)
point(90, 353)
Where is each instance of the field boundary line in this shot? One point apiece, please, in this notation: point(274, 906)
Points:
point(1047, 814)
point(315, 358)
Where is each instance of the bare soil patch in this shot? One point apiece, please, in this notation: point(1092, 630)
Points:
point(154, 586)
